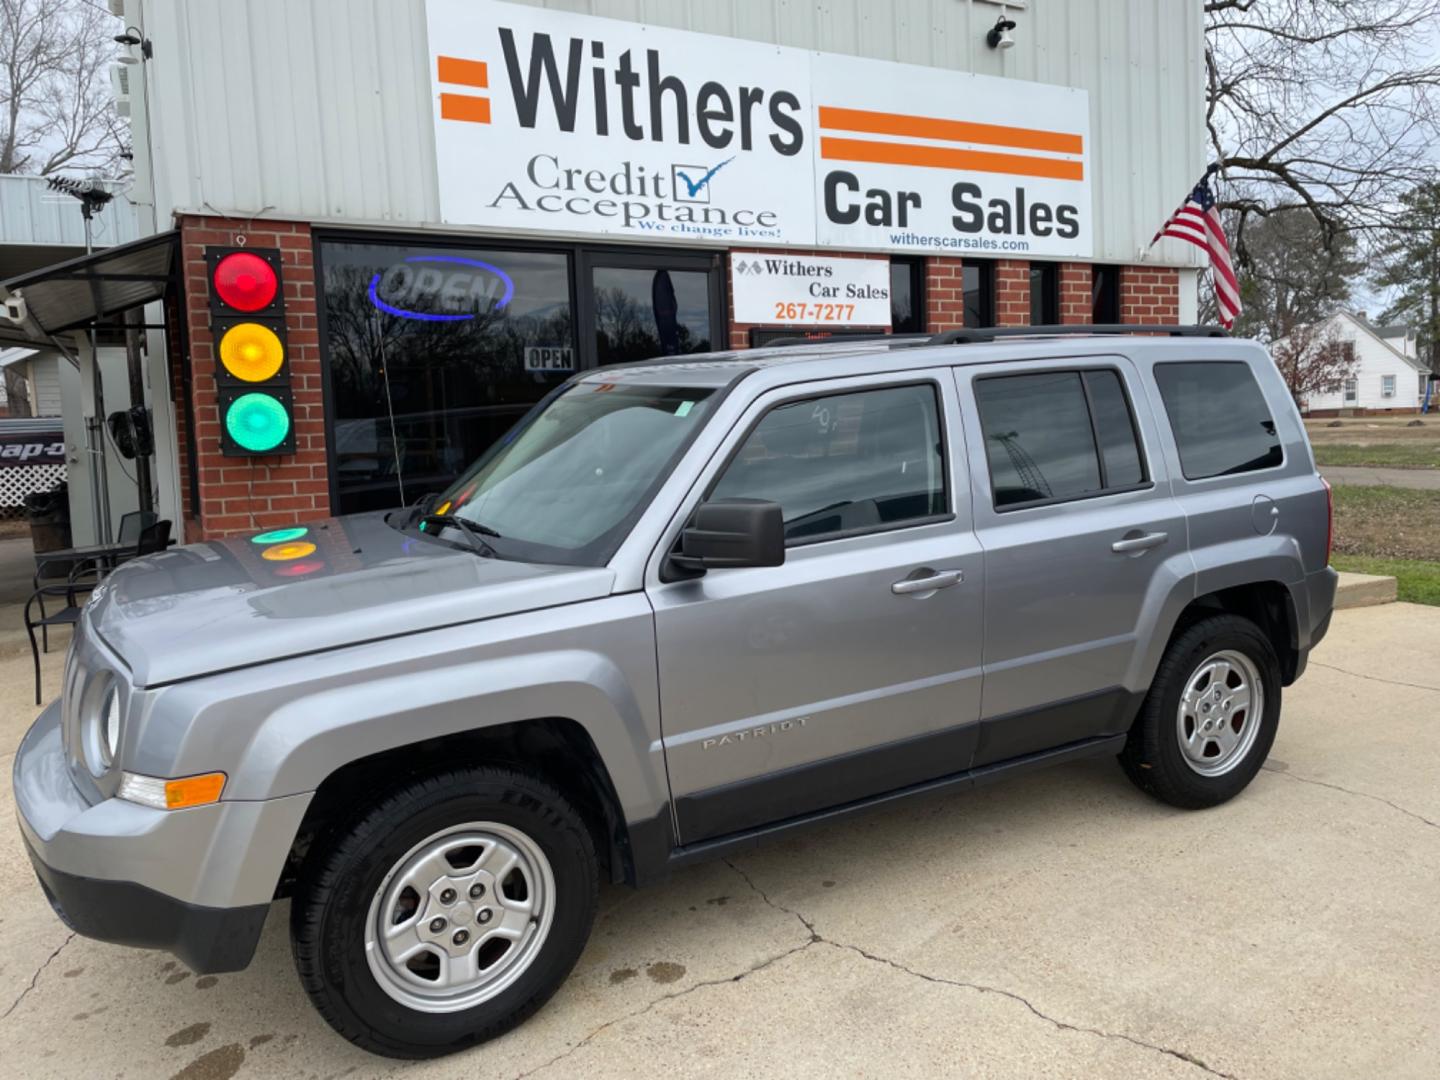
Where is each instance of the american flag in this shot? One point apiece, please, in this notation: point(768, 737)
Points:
point(1198, 222)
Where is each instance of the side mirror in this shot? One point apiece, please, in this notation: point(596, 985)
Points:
point(731, 533)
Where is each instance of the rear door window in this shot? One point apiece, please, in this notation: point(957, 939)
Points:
point(1221, 421)
point(1057, 435)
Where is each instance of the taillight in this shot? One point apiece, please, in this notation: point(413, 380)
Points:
point(1329, 519)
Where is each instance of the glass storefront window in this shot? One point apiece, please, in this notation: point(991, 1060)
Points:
point(907, 296)
point(1044, 294)
point(434, 353)
point(978, 282)
point(645, 312)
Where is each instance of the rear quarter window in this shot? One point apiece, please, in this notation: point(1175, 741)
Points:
point(1221, 421)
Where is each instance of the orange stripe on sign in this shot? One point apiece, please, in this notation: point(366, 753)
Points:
point(925, 127)
point(464, 72)
point(942, 157)
point(464, 107)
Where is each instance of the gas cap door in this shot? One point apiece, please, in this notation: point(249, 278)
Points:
point(1264, 515)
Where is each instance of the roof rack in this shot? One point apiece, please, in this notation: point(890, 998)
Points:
point(839, 339)
point(977, 336)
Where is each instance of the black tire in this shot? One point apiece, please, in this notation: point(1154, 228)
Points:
point(333, 897)
point(1152, 756)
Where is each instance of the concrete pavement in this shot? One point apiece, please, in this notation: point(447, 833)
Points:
point(1059, 925)
point(1371, 476)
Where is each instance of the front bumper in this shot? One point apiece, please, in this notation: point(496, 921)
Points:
point(207, 940)
point(196, 882)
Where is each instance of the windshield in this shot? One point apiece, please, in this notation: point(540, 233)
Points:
point(565, 484)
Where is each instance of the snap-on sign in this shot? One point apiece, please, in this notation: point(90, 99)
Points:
point(33, 448)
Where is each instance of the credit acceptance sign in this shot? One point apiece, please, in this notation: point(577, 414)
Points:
point(771, 288)
point(550, 121)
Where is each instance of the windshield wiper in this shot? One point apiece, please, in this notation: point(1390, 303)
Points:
point(473, 530)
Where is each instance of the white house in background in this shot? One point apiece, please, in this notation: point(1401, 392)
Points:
point(32, 382)
point(1389, 375)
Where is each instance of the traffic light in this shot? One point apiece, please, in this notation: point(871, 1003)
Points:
point(252, 359)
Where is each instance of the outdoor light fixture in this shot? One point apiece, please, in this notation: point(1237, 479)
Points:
point(133, 37)
point(999, 35)
point(252, 370)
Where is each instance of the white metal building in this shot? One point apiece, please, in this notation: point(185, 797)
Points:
point(571, 157)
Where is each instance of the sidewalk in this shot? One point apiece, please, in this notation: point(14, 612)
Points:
point(1059, 924)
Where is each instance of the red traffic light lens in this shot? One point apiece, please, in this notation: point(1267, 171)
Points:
point(299, 569)
point(245, 281)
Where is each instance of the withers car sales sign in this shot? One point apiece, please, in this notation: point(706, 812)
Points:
point(767, 287)
point(550, 121)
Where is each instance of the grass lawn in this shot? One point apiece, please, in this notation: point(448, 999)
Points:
point(1417, 581)
point(1387, 521)
point(1393, 455)
point(1393, 531)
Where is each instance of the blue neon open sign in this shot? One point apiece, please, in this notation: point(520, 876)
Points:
point(434, 282)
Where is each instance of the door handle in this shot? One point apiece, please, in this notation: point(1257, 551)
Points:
point(941, 579)
point(1143, 542)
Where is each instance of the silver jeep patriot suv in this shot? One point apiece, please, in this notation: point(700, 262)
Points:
point(680, 606)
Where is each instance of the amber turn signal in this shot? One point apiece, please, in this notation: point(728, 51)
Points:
point(172, 794)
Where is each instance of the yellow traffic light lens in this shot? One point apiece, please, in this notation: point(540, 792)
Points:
point(251, 352)
point(296, 549)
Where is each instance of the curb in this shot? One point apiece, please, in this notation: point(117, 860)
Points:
point(1364, 590)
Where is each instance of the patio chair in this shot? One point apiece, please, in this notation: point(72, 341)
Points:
point(69, 615)
point(153, 538)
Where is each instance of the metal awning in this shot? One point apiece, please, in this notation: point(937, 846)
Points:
point(78, 292)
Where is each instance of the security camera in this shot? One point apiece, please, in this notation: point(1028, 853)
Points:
point(15, 309)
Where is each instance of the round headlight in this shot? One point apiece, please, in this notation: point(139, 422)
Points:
point(100, 727)
point(110, 726)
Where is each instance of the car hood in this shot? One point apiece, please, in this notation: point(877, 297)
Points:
point(231, 603)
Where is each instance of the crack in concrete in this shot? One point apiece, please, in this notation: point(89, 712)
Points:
point(1351, 791)
point(1375, 678)
point(981, 988)
point(592, 1034)
point(36, 977)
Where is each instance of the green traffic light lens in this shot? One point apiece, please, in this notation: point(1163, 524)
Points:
point(257, 422)
point(279, 536)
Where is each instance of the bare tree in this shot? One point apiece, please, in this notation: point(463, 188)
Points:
point(1297, 273)
point(56, 110)
point(1326, 105)
point(1314, 359)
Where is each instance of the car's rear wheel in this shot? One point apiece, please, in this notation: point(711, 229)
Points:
point(447, 913)
point(1210, 717)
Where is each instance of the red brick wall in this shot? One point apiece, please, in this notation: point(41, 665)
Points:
point(1149, 294)
point(1076, 305)
point(1012, 293)
point(944, 294)
point(241, 494)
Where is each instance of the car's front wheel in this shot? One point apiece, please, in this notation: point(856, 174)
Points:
point(1210, 717)
point(447, 913)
